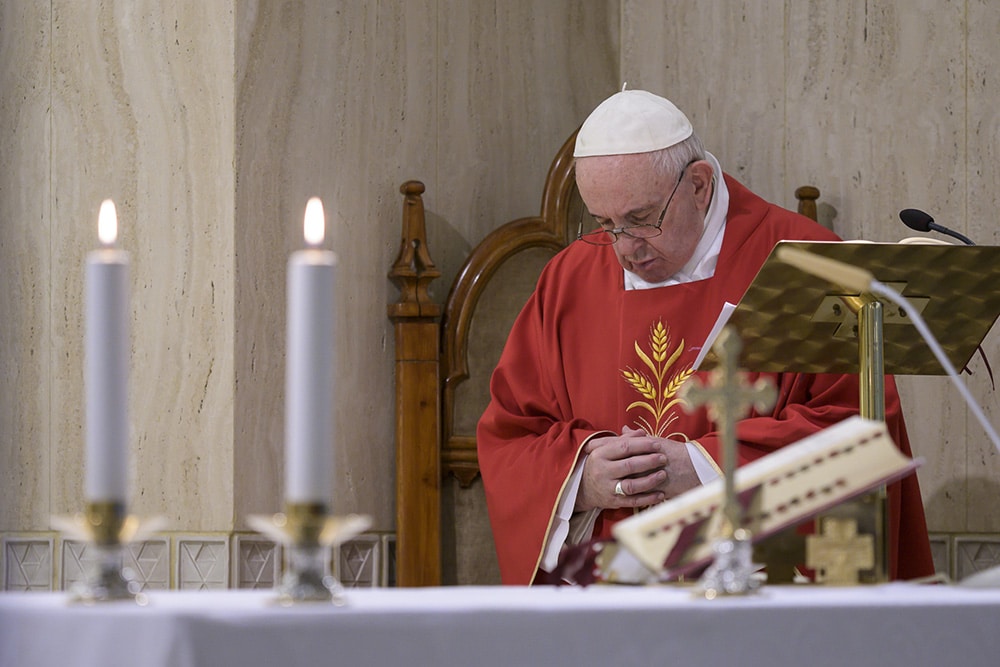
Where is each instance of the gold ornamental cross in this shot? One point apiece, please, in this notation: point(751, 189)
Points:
point(839, 553)
point(727, 397)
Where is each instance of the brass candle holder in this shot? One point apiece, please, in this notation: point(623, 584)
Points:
point(108, 529)
point(308, 533)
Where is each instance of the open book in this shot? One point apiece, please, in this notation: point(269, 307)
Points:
point(776, 491)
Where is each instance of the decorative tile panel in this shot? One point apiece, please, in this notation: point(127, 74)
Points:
point(941, 553)
point(975, 553)
point(76, 560)
point(201, 562)
point(256, 562)
point(389, 560)
point(356, 563)
point(27, 563)
point(148, 563)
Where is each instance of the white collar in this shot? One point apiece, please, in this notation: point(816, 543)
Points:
point(706, 253)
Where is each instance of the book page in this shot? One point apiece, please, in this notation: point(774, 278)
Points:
point(724, 315)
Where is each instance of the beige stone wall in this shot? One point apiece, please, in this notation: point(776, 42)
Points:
point(348, 100)
point(883, 105)
point(210, 124)
point(131, 101)
point(26, 354)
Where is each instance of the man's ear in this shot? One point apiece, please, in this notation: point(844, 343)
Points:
point(701, 178)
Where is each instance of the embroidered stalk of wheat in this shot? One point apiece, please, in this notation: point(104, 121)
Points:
point(660, 393)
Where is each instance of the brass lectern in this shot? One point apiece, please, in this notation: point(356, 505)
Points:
point(791, 321)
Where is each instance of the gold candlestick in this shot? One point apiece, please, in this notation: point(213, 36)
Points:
point(108, 529)
point(309, 532)
point(109, 579)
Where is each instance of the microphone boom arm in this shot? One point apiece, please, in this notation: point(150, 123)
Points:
point(950, 232)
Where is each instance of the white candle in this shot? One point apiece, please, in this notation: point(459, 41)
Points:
point(106, 352)
point(309, 367)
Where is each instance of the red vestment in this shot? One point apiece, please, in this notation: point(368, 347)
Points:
point(585, 355)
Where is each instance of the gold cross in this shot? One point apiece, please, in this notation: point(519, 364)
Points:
point(728, 397)
point(839, 553)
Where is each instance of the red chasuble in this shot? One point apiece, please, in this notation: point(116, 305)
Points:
point(585, 355)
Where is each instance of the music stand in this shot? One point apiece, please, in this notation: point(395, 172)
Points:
point(791, 321)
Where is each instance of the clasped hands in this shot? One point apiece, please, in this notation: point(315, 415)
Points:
point(648, 469)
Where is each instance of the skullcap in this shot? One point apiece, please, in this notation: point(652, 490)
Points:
point(632, 121)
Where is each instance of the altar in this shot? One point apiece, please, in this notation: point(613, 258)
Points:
point(889, 624)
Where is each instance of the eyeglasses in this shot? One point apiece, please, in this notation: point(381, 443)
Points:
point(610, 236)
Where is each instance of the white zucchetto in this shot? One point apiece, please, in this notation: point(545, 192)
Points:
point(632, 121)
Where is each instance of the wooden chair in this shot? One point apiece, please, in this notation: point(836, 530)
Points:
point(444, 359)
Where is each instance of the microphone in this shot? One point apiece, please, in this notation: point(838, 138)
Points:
point(916, 219)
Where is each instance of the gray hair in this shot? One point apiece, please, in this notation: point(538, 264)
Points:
point(669, 161)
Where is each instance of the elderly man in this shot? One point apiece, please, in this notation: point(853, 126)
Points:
point(585, 426)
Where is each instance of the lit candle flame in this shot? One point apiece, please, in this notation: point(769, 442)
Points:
point(314, 226)
point(107, 223)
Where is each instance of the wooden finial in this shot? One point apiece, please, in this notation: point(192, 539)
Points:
point(414, 269)
point(807, 196)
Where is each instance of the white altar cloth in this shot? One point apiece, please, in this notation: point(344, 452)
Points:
point(891, 624)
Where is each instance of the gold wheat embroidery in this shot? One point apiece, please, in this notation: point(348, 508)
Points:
point(659, 391)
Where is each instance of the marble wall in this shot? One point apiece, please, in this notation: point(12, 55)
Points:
point(348, 100)
point(211, 123)
point(883, 106)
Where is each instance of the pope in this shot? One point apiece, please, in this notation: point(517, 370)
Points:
point(585, 425)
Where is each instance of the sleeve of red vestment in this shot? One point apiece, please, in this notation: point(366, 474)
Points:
point(528, 443)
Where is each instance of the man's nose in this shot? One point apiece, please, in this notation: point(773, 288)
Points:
point(627, 244)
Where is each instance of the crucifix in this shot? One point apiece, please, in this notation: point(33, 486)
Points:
point(727, 397)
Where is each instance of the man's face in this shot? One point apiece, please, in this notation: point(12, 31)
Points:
point(625, 190)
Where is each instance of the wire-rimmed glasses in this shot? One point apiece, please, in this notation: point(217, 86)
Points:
point(604, 236)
